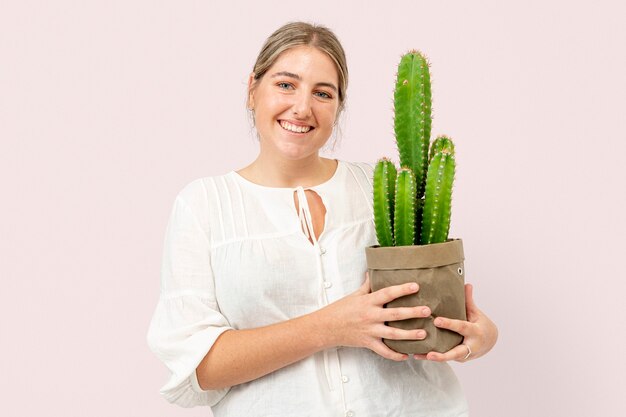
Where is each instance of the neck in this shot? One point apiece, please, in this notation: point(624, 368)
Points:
point(272, 172)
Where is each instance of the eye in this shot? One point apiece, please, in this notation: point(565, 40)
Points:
point(323, 94)
point(284, 85)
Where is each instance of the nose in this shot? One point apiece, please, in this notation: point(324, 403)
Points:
point(302, 105)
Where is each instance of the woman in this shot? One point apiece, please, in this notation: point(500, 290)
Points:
point(265, 307)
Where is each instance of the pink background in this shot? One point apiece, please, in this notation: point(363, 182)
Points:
point(108, 108)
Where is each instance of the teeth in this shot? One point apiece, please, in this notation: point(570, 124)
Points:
point(294, 128)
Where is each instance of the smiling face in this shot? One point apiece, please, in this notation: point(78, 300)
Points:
point(295, 103)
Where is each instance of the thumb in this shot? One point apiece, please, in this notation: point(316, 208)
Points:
point(470, 305)
point(365, 287)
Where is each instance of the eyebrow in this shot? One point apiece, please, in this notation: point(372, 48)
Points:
point(297, 77)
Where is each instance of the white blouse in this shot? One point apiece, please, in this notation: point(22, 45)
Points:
point(235, 257)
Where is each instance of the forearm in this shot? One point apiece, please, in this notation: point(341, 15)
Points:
point(240, 356)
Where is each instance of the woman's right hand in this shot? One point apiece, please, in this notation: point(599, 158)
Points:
point(358, 319)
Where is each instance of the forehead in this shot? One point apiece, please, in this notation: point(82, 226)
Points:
point(306, 61)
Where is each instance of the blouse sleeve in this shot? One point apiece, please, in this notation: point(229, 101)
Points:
point(187, 320)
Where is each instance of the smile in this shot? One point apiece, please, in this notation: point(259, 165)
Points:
point(293, 128)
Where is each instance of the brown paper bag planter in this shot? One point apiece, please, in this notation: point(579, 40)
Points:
point(438, 269)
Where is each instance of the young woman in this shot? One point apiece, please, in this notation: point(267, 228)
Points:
point(265, 307)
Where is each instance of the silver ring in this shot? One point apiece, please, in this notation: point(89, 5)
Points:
point(469, 351)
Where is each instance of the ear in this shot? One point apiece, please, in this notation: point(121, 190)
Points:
point(251, 82)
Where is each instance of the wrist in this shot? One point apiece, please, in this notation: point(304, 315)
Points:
point(320, 329)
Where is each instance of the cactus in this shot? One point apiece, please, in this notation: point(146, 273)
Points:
point(404, 213)
point(437, 199)
point(418, 211)
point(412, 114)
point(384, 184)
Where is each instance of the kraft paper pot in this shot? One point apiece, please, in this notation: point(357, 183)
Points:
point(438, 269)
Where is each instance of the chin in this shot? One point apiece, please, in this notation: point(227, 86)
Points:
point(296, 156)
point(291, 152)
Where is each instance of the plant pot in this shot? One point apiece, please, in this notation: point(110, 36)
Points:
point(438, 269)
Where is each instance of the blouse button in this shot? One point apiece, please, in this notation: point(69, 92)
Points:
point(328, 284)
point(349, 413)
point(322, 250)
point(345, 378)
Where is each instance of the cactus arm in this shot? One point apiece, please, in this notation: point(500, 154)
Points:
point(404, 222)
point(441, 144)
point(412, 115)
point(438, 199)
point(383, 200)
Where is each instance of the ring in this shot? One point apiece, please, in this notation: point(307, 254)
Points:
point(469, 351)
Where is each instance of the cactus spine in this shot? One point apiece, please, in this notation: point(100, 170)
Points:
point(418, 212)
point(412, 114)
point(384, 184)
point(404, 214)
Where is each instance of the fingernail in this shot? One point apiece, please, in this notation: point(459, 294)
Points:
point(425, 311)
point(421, 333)
point(413, 286)
point(438, 321)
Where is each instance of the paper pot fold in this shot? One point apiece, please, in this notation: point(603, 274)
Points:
point(439, 271)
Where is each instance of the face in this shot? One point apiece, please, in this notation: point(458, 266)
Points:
point(295, 103)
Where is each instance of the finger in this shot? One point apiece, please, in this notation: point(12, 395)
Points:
point(392, 333)
point(457, 353)
point(403, 313)
point(460, 326)
point(421, 357)
point(385, 295)
point(384, 351)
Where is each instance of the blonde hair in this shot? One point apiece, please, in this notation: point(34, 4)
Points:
point(295, 34)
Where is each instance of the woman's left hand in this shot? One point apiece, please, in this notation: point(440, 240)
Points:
point(479, 333)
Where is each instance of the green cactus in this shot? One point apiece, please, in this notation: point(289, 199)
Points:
point(438, 198)
point(418, 212)
point(384, 185)
point(412, 114)
point(404, 214)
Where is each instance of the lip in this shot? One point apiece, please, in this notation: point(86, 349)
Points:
point(293, 122)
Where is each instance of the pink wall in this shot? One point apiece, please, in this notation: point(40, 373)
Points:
point(107, 108)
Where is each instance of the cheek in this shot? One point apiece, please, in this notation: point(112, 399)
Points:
point(327, 114)
point(269, 108)
point(279, 105)
point(331, 118)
